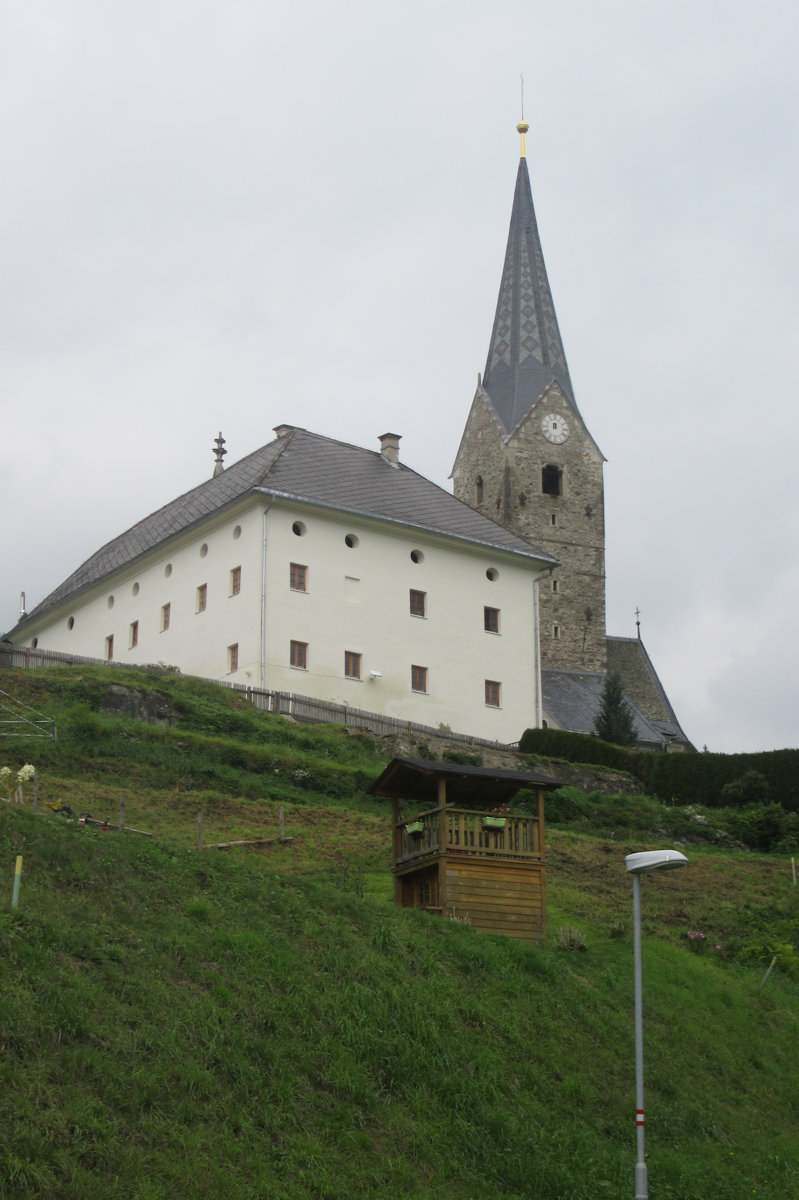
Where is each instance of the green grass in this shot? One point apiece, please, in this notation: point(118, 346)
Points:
point(266, 1023)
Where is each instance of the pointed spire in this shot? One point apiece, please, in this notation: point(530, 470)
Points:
point(526, 352)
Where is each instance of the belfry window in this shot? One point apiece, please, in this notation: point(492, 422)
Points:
point(478, 489)
point(551, 480)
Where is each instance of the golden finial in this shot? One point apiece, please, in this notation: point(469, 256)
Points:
point(522, 127)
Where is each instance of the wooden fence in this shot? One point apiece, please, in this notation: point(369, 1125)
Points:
point(286, 704)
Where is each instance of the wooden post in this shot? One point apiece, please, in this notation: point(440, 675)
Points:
point(17, 877)
point(442, 844)
point(121, 812)
point(200, 828)
point(395, 848)
point(542, 855)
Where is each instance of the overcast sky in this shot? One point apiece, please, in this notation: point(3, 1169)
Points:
point(236, 215)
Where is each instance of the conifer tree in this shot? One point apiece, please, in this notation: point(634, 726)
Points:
point(615, 722)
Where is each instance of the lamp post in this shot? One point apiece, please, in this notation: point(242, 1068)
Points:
point(638, 865)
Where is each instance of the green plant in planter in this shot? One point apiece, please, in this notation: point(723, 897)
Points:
point(414, 828)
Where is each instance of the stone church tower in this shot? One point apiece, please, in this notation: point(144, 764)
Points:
point(527, 459)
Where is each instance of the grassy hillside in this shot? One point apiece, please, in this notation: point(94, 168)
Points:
point(264, 1023)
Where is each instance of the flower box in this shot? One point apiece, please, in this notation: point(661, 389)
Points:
point(415, 828)
point(494, 822)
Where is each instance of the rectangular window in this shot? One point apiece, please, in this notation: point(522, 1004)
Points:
point(298, 577)
point(491, 619)
point(109, 647)
point(298, 655)
point(418, 603)
point(419, 679)
point(233, 657)
point(235, 581)
point(554, 585)
point(352, 664)
point(492, 693)
point(134, 634)
point(202, 597)
point(165, 614)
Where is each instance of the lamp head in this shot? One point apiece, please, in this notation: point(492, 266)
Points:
point(654, 860)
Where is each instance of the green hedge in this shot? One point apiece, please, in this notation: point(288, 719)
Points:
point(683, 777)
point(575, 747)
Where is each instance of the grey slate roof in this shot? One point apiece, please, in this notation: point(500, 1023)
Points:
point(526, 352)
point(572, 700)
point(301, 466)
point(627, 657)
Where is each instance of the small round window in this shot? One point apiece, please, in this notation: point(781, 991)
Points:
point(417, 556)
point(35, 643)
point(168, 570)
point(492, 574)
point(237, 532)
point(110, 602)
point(351, 540)
point(135, 589)
point(299, 529)
point(203, 550)
point(71, 623)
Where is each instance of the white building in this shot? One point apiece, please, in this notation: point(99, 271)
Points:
point(322, 569)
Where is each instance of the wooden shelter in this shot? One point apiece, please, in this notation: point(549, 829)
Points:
point(459, 852)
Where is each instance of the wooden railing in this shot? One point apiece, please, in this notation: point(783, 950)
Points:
point(462, 831)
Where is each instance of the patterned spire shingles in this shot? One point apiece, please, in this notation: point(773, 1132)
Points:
point(526, 352)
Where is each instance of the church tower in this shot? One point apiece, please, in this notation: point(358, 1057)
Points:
point(527, 459)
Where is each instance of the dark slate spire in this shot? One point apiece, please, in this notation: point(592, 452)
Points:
point(526, 352)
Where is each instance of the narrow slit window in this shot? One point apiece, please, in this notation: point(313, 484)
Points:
point(202, 597)
point(491, 619)
point(109, 647)
point(419, 679)
point(235, 581)
point(166, 614)
point(233, 657)
point(134, 634)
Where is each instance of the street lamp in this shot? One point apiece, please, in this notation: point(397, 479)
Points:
point(638, 865)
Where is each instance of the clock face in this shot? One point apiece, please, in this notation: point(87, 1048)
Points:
point(555, 428)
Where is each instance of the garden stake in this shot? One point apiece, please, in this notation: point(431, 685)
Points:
point(768, 972)
point(17, 876)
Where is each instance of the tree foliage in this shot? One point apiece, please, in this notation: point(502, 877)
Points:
point(615, 722)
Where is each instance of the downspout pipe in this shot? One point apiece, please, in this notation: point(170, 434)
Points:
point(264, 521)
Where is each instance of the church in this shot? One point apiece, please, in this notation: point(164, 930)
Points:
point(527, 459)
point(320, 568)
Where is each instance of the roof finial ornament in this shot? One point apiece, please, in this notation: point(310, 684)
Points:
point(522, 126)
point(638, 622)
point(219, 453)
